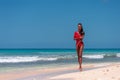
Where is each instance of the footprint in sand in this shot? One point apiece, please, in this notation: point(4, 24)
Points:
point(113, 77)
point(107, 70)
point(117, 66)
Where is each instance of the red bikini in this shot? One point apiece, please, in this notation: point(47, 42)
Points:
point(78, 38)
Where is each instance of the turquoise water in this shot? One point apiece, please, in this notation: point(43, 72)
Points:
point(41, 57)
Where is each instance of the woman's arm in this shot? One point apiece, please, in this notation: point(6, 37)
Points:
point(77, 36)
point(82, 35)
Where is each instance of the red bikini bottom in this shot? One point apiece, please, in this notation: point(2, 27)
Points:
point(79, 44)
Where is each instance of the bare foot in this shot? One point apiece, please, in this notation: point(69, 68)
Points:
point(80, 68)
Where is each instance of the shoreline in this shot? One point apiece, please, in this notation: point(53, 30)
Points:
point(52, 73)
point(14, 69)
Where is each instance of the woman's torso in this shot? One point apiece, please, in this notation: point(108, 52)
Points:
point(78, 37)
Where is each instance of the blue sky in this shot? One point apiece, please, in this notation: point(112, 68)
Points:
point(52, 23)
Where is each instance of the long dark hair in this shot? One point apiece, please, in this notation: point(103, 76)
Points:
point(82, 31)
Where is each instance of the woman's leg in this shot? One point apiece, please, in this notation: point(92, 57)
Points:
point(80, 56)
point(77, 49)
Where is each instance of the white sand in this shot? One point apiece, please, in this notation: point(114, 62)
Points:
point(110, 72)
point(104, 71)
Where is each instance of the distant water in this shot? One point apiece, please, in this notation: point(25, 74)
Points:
point(42, 57)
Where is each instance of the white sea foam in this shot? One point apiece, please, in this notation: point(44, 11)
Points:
point(18, 59)
point(48, 59)
point(118, 54)
point(94, 56)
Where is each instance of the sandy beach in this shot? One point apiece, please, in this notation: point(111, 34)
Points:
point(108, 72)
point(101, 71)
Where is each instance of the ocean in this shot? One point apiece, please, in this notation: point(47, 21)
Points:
point(19, 58)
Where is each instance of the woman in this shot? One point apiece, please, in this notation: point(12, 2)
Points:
point(78, 36)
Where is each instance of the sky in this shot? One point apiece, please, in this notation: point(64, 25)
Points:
point(52, 23)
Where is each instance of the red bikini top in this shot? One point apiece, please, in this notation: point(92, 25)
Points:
point(77, 35)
